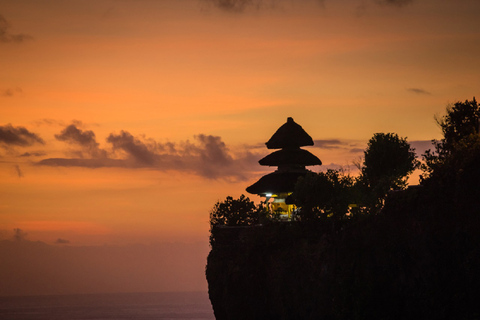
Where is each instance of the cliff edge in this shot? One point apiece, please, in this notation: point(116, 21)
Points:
point(418, 258)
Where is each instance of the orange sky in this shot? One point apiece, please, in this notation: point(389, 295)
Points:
point(140, 115)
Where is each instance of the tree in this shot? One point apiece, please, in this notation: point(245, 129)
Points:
point(452, 170)
point(462, 120)
point(324, 194)
point(235, 212)
point(388, 161)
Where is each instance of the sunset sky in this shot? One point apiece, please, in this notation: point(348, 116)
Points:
point(123, 122)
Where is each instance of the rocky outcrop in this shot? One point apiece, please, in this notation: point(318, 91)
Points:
point(419, 258)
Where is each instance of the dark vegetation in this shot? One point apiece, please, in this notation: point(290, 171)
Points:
point(397, 253)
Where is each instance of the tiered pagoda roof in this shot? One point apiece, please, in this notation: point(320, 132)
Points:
point(294, 156)
point(289, 135)
point(290, 160)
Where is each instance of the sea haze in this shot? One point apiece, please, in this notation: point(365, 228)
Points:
point(139, 306)
point(31, 268)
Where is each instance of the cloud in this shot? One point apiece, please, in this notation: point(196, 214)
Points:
point(33, 154)
point(7, 37)
point(86, 163)
point(85, 139)
point(328, 144)
point(238, 6)
point(72, 134)
point(18, 136)
point(352, 146)
point(61, 241)
point(397, 3)
point(234, 5)
point(364, 6)
point(135, 149)
point(48, 122)
point(207, 156)
point(211, 158)
point(18, 171)
point(418, 91)
point(10, 92)
point(214, 151)
point(356, 150)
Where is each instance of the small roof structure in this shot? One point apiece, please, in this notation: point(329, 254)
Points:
point(277, 182)
point(292, 157)
point(289, 135)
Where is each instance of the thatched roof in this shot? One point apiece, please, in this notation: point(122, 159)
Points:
point(276, 182)
point(289, 135)
point(292, 157)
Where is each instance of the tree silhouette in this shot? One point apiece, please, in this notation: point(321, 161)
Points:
point(236, 212)
point(324, 195)
point(452, 170)
point(388, 161)
point(461, 122)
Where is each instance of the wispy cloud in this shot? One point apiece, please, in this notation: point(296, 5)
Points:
point(351, 146)
point(18, 136)
point(18, 171)
point(86, 163)
point(207, 156)
point(237, 6)
point(232, 5)
point(356, 150)
point(10, 92)
point(398, 3)
point(328, 144)
point(418, 91)
point(33, 154)
point(61, 241)
point(7, 37)
point(48, 122)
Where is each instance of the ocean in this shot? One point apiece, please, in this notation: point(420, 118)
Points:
point(119, 306)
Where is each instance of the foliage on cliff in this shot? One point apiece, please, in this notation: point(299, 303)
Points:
point(388, 160)
point(235, 212)
point(324, 195)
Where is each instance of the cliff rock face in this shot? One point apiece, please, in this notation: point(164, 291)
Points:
point(419, 258)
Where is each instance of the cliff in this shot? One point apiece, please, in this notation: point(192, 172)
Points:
point(418, 258)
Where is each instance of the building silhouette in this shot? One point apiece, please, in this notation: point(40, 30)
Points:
point(290, 161)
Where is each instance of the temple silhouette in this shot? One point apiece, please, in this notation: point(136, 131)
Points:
point(290, 161)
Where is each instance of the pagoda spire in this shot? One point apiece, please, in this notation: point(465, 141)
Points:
point(289, 135)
